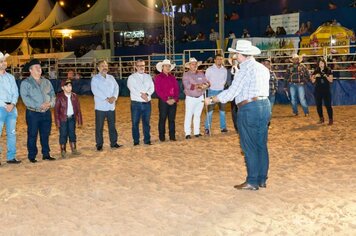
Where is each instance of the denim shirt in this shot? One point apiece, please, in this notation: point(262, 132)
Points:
point(34, 94)
point(8, 89)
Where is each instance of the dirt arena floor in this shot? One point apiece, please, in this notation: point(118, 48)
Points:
point(186, 187)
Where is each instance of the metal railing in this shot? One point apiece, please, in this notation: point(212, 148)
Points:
point(343, 64)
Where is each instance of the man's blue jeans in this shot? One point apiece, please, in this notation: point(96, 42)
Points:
point(9, 120)
point(38, 122)
point(209, 119)
point(298, 90)
point(141, 110)
point(252, 121)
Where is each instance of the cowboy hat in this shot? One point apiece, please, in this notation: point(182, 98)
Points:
point(3, 57)
point(245, 47)
point(27, 66)
point(165, 62)
point(296, 56)
point(192, 60)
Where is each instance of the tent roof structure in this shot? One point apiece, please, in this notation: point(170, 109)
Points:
point(123, 13)
point(38, 14)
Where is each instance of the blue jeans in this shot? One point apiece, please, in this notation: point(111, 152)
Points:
point(141, 110)
point(252, 121)
point(209, 119)
point(298, 90)
point(9, 120)
point(67, 130)
point(38, 122)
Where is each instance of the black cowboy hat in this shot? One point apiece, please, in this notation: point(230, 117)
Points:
point(27, 66)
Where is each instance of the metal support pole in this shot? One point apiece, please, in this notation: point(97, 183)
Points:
point(221, 25)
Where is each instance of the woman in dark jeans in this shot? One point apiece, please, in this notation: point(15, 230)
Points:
point(322, 78)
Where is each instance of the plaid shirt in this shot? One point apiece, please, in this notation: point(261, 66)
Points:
point(296, 73)
point(252, 80)
point(273, 83)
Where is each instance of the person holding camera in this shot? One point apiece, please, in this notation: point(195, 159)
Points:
point(322, 78)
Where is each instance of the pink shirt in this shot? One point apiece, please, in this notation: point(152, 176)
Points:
point(166, 86)
point(190, 79)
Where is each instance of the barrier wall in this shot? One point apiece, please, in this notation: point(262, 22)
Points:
point(343, 91)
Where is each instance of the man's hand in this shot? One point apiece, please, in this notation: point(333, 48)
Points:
point(171, 101)
point(111, 100)
point(9, 107)
point(144, 96)
point(45, 106)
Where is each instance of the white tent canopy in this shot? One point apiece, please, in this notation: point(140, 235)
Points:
point(130, 12)
point(38, 14)
point(23, 49)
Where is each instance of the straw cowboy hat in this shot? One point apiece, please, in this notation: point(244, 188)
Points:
point(245, 47)
point(192, 60)
point(296, 56)
point(3, 57)
point(165, 62)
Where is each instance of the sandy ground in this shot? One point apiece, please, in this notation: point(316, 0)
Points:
point(186, 187)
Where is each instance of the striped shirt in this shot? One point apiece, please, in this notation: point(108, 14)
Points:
point(252, 80)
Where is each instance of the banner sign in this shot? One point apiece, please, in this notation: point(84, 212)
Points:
point(316, 46)
point(290, 22)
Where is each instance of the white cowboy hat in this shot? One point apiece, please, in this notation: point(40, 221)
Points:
point(296, 56)
point(165, 62)
point(192, 60)
point(245, 47)
point(3, 57)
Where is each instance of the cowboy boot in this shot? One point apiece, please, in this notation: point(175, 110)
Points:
point(63, 151)
point(321, 121)
point(73, 147)
point(331, 122)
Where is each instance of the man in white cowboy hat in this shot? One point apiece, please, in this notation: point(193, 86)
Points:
point(297, 75)
point(195, 83)
point(217, 76)
point(167, 90)
point(250, 89)
point(8, 112)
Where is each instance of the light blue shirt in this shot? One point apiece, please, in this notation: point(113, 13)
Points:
point(34, 94)
point(104, 88)
point(8, 89)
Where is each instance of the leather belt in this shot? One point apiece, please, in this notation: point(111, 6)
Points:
point(70, 117)
point(244, 102)
point(8, 103)
point(35, 110)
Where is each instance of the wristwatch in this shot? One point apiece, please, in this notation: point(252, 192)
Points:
point(211, 100)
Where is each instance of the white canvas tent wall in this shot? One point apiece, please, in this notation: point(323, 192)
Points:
point(121, 14)
point(24, 48)
point(38, 14)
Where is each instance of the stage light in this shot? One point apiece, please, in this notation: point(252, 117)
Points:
point(156, 5)
point(61, 3)
point(333, 41)
point(1, 15)
point(88, 5)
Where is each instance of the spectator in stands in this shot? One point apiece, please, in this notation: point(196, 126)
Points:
point(332, 5)
point(334, 22)
point(279, 31)
point(352, 69)
point(70, 74)
point(302, 30)
point(167, 90)
point(106, 91)
point(52, 74)
point(141, 89)
point(38, 96)
point(245, 34)
point(9, 95)
point(232, 35)
point(186, 37)
point(322, 78)
point(234, 16)
point(213, 36)
point(273, 84)
point(269, 31)
point(200, 37)
point(217, 76)
point(309, 26)
point(195, 83)
point(296, 78)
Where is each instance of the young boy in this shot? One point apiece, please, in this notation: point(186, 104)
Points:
point(66, 113)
